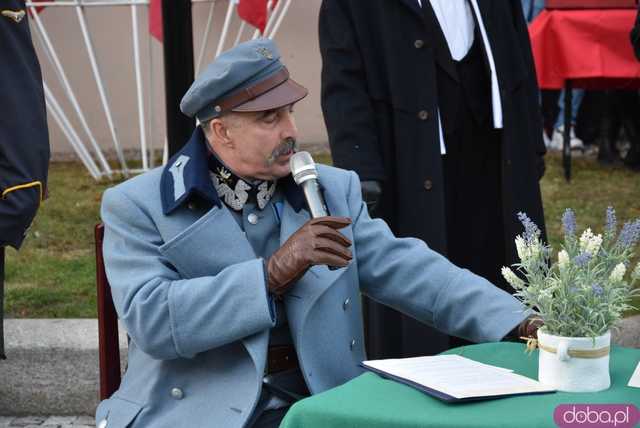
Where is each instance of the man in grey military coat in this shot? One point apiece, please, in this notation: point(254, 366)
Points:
point(221, 277)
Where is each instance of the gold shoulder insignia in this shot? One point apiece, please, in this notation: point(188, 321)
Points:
point(15, 15)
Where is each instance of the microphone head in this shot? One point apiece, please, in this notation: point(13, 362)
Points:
point(303, 167)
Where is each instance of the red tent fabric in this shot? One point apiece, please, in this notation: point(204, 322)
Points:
point(590, 47)
point(155, 19)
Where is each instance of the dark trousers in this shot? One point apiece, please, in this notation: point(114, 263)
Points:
point(473, 206)
point(473, 203)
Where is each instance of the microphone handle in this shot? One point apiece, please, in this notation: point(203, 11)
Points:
point(314, 198)
point(315, 202)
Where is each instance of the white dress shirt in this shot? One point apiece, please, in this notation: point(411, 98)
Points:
point(456, 21)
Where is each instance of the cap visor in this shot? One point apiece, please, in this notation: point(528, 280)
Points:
point(288, 92)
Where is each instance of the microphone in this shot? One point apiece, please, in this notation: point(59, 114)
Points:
point(305, 174)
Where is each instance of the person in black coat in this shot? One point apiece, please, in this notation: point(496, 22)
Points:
point(443, 128)
point(24, 138)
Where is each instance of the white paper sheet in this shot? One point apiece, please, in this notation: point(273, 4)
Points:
point(635, 377)
point(458, 376)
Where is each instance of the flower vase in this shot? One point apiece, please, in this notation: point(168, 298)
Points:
point(574, 364)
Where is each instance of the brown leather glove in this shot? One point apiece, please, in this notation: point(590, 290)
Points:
point(529, 327)
point(318, 242)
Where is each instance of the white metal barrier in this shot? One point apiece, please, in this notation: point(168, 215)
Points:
point(94, 159)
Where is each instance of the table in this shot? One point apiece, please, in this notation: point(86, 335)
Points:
point(589, 49)
point(373, 402)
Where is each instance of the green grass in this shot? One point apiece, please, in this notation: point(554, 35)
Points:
point(54, 273)
point(591, 190)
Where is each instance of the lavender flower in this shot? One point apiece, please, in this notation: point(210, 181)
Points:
point(590, 243)
point(610, 225)
point(563, 260)
point(582, 259)
point(512, 278)
point(569, 223)
point(531, 231)
point(629, 235)
point(617, 274)
point(597, 289)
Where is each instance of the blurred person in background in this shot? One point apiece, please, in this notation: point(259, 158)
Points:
point(557, 139)
point(24, 138)
point(620, 111)
point(632, 159)
point(531, 9)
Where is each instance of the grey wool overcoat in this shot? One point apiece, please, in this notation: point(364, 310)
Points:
point(192, 295)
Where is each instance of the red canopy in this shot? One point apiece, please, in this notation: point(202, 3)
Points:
point(590, 47)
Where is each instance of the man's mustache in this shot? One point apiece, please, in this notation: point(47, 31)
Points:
point(284, 148)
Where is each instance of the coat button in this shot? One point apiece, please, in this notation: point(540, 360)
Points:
point(423, 115)
point(252, 218)
point(177, 164)
point(418, 44)
point(428, 184)
point(177, 393)
point(102, 424)
point(352, 344)
point(346, 304)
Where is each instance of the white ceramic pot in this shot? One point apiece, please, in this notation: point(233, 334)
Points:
point(574, 364)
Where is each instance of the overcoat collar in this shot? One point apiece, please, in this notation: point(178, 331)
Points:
point(186, 176)
point(485, 7)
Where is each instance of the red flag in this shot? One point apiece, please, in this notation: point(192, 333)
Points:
point(39, 8)
point(155, 19)
point(255, 12)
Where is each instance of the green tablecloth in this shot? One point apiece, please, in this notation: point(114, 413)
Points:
point(371, 401)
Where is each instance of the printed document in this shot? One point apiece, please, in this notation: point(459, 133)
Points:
point(455, 377)
point(635, 377)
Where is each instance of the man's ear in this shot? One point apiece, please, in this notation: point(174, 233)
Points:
point(220, 132)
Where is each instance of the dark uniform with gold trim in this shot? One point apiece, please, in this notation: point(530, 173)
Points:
point(24, 140)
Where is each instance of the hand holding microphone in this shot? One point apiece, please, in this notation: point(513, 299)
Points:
point(318, 242)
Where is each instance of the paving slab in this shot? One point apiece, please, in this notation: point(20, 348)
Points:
point(47, 422)
point(51, 367)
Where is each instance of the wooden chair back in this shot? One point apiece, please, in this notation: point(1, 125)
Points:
point(108, 344)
